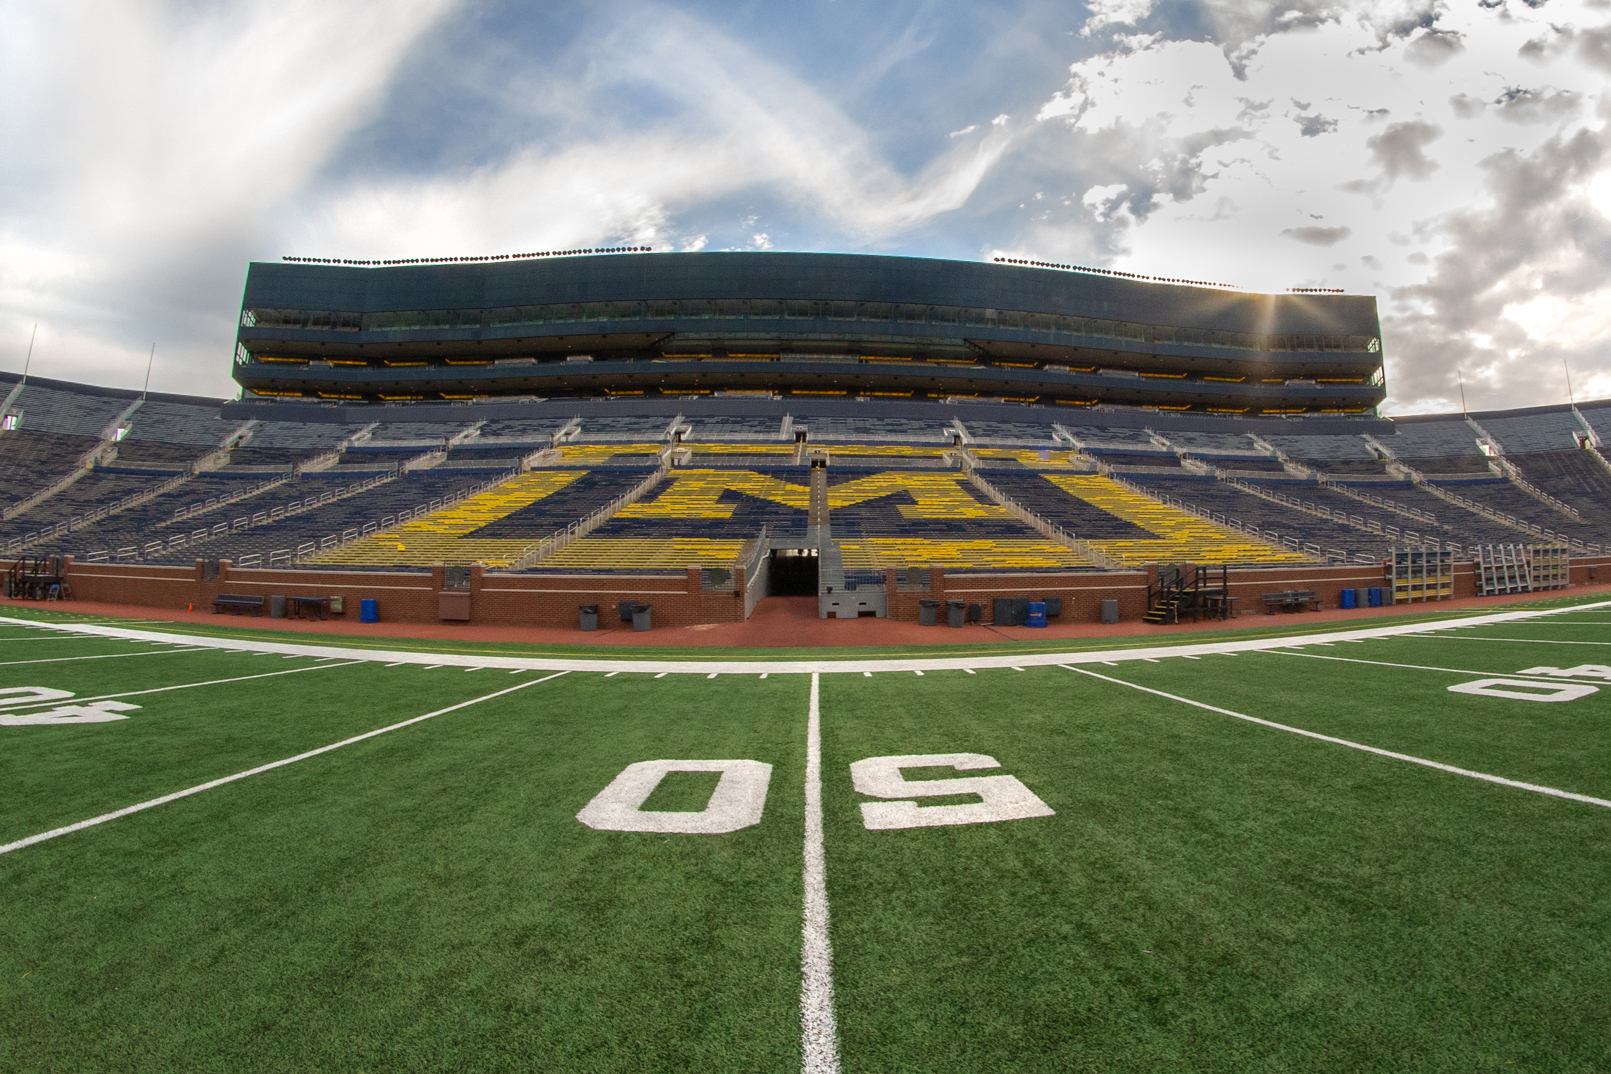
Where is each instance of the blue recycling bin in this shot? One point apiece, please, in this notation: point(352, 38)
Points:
point(1037, 614)
point(1373, 596)
point(1347, 600)
point(367, 611)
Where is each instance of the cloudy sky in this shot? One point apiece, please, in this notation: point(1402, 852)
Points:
point(1451, 158)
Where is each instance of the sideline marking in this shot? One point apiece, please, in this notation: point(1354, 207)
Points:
point(100, 656)
point(1526, 641)
point(1422, 761)
point(198, 788)
point(439, 659)
point(218, 682)
point(819, 1034)
point(46, 637)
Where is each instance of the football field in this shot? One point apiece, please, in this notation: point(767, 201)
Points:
point(1372, 847)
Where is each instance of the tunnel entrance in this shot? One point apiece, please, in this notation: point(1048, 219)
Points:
point(793, 572)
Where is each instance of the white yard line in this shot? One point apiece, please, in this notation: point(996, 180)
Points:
point(1422, 761)
point(187, 792)
point(187, 685)
point(805, 667)
point(1450, 671)
point(103, 656)
point(819, 1034)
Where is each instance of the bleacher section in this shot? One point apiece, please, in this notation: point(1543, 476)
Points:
point(901, 519)
point(1007, 433)
point(1175, 536)
point(695, 518)
point(290, 532)
point(95, 490)
point(1417, 440)
point(495, 527)
point(1538, 431)
point(48, 410)
point(850, 430)
point(1028, 459)
point(1575, 476)
point(30, 461)
point(736, 429)
point(625, 428)
point(898, 496)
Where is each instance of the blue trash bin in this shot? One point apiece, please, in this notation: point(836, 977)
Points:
point(367, 611)
point(1373, 596)
point(1037, 614)
point(1347, 600)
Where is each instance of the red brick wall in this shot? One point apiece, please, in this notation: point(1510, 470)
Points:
point(545, 600)
point(552, 600)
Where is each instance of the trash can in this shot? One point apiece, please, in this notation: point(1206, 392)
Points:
point(1346, 600)
point(975, 613)
point(928, 612)
point(1054, 606)
point(1110, 611)
point(276, 607)
point(1373, 597)
point(956, 611)
point(640, 617)
point(589, 615)
point(368, 610)
point(1037, 614)
point(625, 610)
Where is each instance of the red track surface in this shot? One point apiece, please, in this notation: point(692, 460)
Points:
point(785, 622)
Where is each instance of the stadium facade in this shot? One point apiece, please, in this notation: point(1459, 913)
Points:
point(812, 325)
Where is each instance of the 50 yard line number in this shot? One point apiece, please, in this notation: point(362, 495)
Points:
point(740, 796)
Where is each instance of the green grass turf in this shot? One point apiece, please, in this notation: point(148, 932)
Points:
point(426, 901)
point(1211, 895)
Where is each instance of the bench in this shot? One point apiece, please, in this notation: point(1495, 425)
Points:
point(237, 603)
point(1291, 600)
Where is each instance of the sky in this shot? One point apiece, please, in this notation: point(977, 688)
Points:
point(1452, 159)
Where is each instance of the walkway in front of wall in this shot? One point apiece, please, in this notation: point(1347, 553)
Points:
point(788, 622)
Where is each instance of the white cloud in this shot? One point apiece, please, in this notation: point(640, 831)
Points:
point(153, 147)
point(1375, 147)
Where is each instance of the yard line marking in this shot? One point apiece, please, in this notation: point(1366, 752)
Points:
point(662, 675)
point(1439, 765)
point(1425, 667)
point(712, 675)
point(612, 674)
point(1016, 668)
point(866, 674)
point(101, 656)
point(394, 665)
point(198, 788)
point(192, 685)
point(970, 671)
point(916, 672)
point(819, 1034)
point(468, 670)
point(763, 674)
